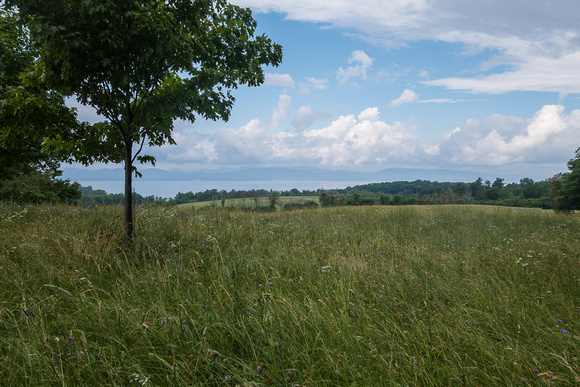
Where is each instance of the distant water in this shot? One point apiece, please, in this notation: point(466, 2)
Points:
point(168, 189)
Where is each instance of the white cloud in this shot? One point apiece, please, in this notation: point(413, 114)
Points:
point(278, 80)
point(549, 137)
point(407, 96)
point(312, 83)
point(282, 111)
point(307, 116)
point(500, 140)
point(356, 71)
point(346, 141)
point(538, 40)
point(536, 73)
point(349, 141)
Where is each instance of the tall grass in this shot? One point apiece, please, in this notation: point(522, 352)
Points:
point(442, 295)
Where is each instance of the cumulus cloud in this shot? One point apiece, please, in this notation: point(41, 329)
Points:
point(363, 62)
point(407, 96)
point(284, 80)
point(500, 140)
point(543, 58)
point(549, 137)
point(347, 141)
point(192, 147)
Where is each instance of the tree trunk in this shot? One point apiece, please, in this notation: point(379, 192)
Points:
point(128, 192)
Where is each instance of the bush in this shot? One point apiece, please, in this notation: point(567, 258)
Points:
point(299, 206)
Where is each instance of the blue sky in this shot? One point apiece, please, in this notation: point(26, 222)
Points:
point(491, 86)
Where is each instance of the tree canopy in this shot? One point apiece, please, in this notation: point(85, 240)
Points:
point(568, 196)
point(29, 114)
point(141, 64)
point(29, 111)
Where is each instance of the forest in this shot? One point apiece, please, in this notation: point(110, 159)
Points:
point(526, 193)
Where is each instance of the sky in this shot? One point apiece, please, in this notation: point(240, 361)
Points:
point(490, 86)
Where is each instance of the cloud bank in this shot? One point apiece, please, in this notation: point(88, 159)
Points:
point(366, 140)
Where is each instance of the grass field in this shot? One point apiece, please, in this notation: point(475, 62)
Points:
point(364, 296)
point(251, 202)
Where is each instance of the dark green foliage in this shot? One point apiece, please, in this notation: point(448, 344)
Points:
point(92, 197)
point(35, 187)
point(30, 115)
point(398, 199)
point(384, 199)
point(568, 196)
point(273, 198)
point(327, 200)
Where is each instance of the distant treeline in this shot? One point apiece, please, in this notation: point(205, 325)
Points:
point(92, 196)
point(526, 193)
point(215, 195)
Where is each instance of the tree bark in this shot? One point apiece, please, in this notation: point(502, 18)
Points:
point(128, 192)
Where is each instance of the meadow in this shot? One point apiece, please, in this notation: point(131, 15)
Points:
point(251, 203)
point(344, 296)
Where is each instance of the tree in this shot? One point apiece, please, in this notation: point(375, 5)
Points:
point(273, 198)
point(568, 197)
point(142, 64)
point(29, 115)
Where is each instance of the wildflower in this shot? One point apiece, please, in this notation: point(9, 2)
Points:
point(287, 378)
point(558, 320)
point(71, 337)
point(227, 378)
point(259, 368)
point(276, 344)
point(549, 373)
point(523, 379)
point(563, 331)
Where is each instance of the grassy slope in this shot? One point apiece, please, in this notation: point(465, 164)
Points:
point(363, 296)
point(249, 202)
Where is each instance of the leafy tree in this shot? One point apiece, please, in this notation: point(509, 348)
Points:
point(568, 197)
point(142, 64)
point(493, 192)
point(399, 199)
point(529, 188)
point(273, 198)
point(29, 115)
point(385, 199)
